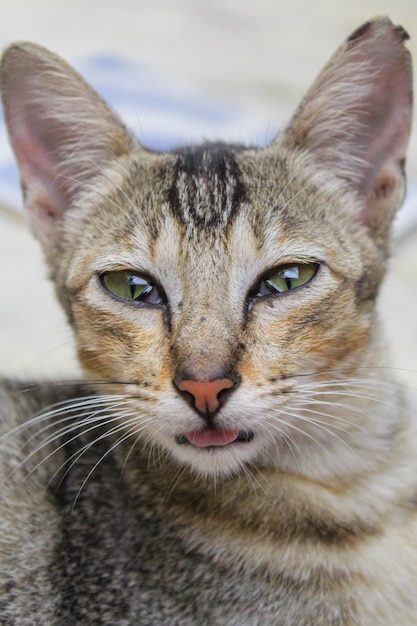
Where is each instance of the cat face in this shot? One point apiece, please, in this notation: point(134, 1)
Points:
point(187, 275)
point(222, 294)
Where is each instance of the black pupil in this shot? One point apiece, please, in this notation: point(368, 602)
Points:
point(138, 287)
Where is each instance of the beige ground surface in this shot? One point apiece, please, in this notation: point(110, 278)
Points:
point(263, 53)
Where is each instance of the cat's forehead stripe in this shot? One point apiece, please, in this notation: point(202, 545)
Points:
point(207, 188)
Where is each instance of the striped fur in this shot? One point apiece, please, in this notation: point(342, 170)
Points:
point(108, 513)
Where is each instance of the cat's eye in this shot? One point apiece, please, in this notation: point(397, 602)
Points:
point(131, 286)
point(285, 278)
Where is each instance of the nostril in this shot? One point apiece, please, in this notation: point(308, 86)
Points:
point(205, 394)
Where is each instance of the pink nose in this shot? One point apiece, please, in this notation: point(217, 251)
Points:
point(205, 393)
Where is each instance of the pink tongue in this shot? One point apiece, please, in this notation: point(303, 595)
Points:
point(212, 437)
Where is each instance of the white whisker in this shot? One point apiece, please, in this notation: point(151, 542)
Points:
point(76, 427)
point(118, 442)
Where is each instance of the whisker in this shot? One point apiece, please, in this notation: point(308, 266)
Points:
point(76, 428)
point(71, 461)
point(118, 442)
point(78, 418)
point(252, 478)
point(180, 473)
point(299, 430)
point(331, 416)
point(65, 406)
point(359, 368)
point(319, 426)
point(291, 444)
point(361, 396)
point(129, 452)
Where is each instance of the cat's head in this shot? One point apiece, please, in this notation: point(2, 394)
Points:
point(210, 283)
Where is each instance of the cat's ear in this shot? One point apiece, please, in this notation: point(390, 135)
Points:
point(356, 119)
point(62, 132)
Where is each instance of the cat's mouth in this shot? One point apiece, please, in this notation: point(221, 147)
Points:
point(214, 437)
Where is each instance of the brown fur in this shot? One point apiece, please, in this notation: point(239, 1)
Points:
point(312, 518)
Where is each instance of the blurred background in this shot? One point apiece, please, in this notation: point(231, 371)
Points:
point(180, 71)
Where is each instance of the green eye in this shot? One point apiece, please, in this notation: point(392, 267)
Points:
point(130, 286)
point(291, 276)
point(285, 278)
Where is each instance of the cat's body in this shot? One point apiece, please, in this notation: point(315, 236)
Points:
point(241, 455)
point(138, 546)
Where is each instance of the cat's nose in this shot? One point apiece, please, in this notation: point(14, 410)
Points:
point(205, 394)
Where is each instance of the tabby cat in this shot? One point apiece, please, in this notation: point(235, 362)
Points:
point(238, 453)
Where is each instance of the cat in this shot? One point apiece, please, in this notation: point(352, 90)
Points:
point(238, 452)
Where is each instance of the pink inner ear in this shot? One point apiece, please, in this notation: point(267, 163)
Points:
point(356, 117)
point(39, 179)
point(356, 120)
point(389, 122)
point(62, 133)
